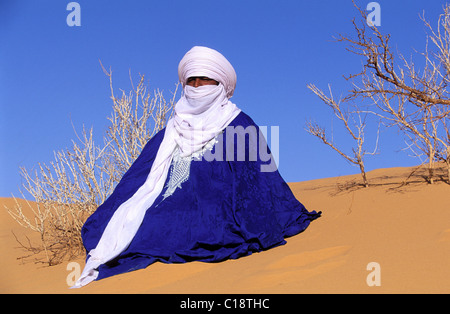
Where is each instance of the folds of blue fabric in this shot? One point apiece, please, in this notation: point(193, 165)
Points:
point(227, 209)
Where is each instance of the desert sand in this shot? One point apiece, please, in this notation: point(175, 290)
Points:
point(404, 229)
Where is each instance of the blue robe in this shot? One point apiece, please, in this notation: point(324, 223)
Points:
point(227, 209)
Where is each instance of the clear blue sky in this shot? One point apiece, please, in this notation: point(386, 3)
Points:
point(50, 74)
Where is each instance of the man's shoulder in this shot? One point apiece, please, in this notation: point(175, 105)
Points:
point(155, 140)
point(242, 119)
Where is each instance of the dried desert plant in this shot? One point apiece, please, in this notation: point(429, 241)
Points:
point(130, 127)
point(69, 189)
point(354, 121)
point(413, 100)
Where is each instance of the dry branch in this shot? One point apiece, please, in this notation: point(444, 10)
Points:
point(354, 124)
point(69, 189)
point(415, 101)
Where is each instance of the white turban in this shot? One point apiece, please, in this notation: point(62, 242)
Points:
point(203, 61)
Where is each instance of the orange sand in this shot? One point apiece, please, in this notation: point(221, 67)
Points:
point(406, 230)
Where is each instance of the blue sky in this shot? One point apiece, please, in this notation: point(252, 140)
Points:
point(50, 76)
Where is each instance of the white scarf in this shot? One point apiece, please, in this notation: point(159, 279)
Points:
point(200, 115)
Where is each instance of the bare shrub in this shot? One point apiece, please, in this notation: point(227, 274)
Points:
point(70, 188)
point(396, 90)
point(354, 121)
point(413, 100)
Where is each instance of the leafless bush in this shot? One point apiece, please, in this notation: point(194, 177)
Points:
point(415, 101)
point(354, 121)
point(69, 189)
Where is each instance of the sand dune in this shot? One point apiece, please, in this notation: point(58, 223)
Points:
point(404, 229)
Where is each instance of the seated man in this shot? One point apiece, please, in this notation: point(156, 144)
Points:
point(200, 189)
